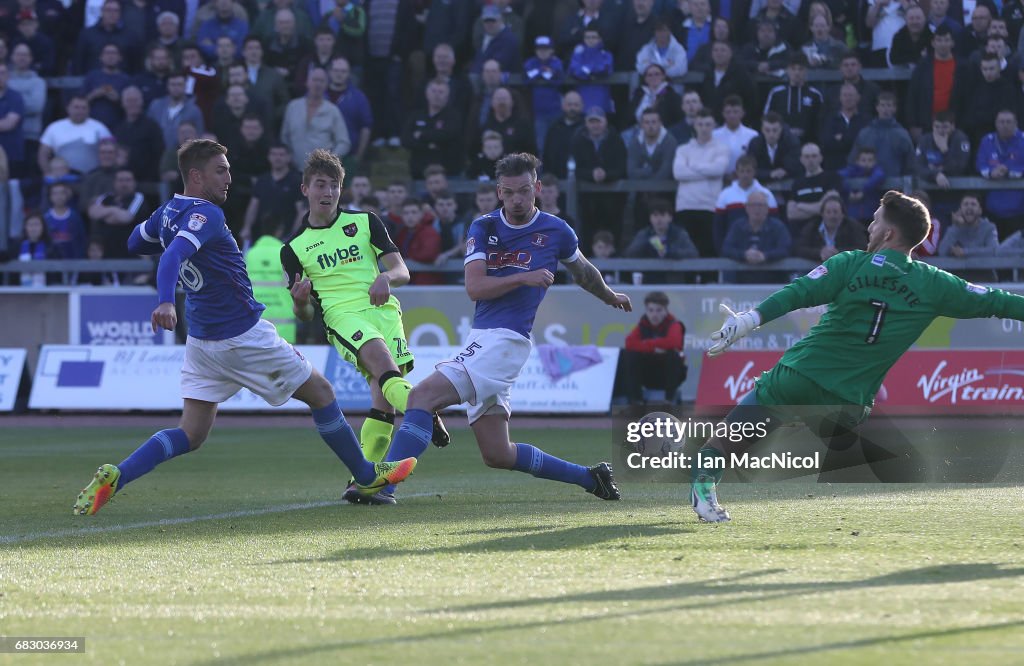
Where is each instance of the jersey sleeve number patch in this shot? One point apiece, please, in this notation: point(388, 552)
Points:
point(196, 221)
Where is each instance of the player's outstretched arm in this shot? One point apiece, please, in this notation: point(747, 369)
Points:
point(482, 287)
point(590, 279)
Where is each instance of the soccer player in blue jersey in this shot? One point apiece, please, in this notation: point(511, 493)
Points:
point(511, 256)
point(229, 346)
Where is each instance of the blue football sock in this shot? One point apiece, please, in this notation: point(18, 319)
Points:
point(412, 437)
point(542, 465)
point(338, 434)
point(162, 446)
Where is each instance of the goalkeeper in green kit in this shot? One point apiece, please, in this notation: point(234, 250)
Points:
point(879, 303)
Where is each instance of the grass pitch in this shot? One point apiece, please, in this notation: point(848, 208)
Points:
point(256, 562)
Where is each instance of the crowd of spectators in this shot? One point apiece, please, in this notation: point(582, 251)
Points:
point(771, 160)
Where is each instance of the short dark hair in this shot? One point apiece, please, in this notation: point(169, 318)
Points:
point(970, 195)
point(887, 96)
point(549, 180)
point(410, 201)
point(324, 30)
point(657, 297)
point(651, 111)
point(772, 117)
point(705, 113)
point(278, 145)
point(746, 160)
point(943, 30)
point(322, 162)
point(659, 205)
point(910, 217)
point(517, 164)
point(433, 170)
point(251, 38)
point(850, 55)
point(732, 100)
point(604, 236)
point(945, 117)
point(398, 182)
point(195, 153)
point(444, 194)
point(866, 150)
point(485, 188)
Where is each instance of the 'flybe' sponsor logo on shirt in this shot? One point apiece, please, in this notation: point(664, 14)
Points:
point(339, 257)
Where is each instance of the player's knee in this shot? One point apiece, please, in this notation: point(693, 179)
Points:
point(196, 437)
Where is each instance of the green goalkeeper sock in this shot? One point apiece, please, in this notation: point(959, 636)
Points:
point(710, 462)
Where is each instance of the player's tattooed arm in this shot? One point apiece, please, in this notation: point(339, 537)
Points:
point(586, 275)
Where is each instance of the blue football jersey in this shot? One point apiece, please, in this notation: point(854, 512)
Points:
point(218, 294)
point(540, 243)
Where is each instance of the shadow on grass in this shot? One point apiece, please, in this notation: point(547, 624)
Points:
point(536, 538)
point(697, 594)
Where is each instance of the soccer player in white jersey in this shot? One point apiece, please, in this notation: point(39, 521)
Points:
point(229, 346)
point(511, 256)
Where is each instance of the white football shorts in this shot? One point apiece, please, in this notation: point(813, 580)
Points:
point(484, 371)
point(259, 359)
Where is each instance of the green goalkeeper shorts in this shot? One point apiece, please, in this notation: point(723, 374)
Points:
point(795, 397)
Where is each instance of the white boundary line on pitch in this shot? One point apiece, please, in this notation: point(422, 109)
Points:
point(165, 522)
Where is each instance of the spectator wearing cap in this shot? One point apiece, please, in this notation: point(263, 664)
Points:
point(591, 62)
point(765, 54)
point(498, 43)
point(1001, 158)
point(544, 72)
point(699, 167)
point(665, 51)
point(656, 93)
point(600, 156)
point(798, 103)
point(509, 18)
point(108, 30)
point(43, 48)
point(931, 85)
point(639, 26)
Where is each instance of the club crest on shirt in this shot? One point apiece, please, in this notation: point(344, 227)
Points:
point(540, 240)
point(196, 222)
point(357, 336)
point(470, 245)
point(349, 229)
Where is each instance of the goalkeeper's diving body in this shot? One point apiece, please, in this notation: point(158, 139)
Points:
point(879, 303)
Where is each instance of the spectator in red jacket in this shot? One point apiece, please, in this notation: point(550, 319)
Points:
point(653, 356)
point(418, 240)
